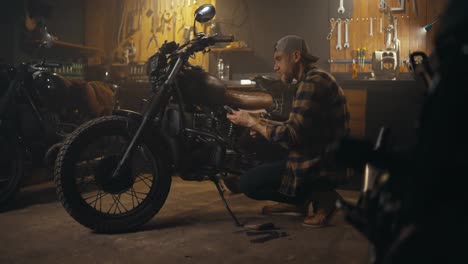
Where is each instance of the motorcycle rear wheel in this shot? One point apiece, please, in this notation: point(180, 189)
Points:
point(84, 187)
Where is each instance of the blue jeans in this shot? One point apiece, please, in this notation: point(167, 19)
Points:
point(263, 183)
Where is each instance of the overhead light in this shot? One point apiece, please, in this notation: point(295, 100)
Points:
point(429, 26)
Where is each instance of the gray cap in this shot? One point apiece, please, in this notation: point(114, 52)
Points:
point(292, 43)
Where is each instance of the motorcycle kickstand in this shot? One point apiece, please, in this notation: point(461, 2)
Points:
point(221, 193)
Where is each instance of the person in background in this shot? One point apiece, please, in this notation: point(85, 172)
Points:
point(318, 119)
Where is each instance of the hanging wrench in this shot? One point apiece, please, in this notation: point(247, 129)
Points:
point(341, 9)
point(371, 27)
point(381, 26)
point(388, 44)
point(382, 5)
point(346, 44)
point(395, 28)
point(338, 38)
point(415, 8)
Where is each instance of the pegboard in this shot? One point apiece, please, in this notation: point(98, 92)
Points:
point(146, 23)
point(410, 32)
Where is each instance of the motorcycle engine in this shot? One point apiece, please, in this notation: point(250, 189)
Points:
point(204, 152)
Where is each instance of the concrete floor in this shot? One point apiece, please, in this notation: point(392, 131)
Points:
point(192, 227)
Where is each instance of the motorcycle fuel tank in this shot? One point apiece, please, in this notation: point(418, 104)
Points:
point(51, 90)
point(199, 87)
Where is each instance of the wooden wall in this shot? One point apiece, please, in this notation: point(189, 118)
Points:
point(112, 23)
point(410, 32)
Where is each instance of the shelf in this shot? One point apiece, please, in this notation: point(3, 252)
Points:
point(81, 48)
point(219, 50)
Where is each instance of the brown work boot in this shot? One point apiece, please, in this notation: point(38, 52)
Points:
point(319, 219)
point(283, 209)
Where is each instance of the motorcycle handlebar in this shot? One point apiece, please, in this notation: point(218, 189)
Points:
point(50, 65)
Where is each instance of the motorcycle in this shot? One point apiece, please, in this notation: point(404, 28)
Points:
point(38, 108)
point(411, 208)
point(113, 173)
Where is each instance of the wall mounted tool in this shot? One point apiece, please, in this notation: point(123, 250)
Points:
point(346, 44)
point(341, 8)
point(338, 37)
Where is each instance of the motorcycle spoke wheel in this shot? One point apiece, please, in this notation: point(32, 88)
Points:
point(143, 174)
point(86, 188)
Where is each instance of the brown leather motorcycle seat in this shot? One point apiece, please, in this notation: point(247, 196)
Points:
point(248, 99)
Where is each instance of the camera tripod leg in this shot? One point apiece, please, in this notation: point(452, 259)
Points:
point(221, 193)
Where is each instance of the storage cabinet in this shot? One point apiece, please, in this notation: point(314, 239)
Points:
point(357, 100)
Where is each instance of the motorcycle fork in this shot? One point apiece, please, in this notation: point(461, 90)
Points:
point(156, 108)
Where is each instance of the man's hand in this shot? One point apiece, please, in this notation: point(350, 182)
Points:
point(242, 118)
point(253, 133)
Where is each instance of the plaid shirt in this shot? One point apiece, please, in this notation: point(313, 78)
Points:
point(319, 117)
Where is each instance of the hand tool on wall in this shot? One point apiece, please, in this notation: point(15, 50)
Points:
point(341, 8)
point(332, 25)
point(371, 24)
point(338, 38)
point(347, 61)
point(388, 44)
point(174, 21)
point(401, 8)
point(363, 57)
point(381, 26)
point(355, 71)
point(346, 44)
point(152, 14)
point(382, 5)
point(415, 7)
point(358, 56)
point(395, 35)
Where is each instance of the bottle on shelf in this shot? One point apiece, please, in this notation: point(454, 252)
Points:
point(220, 69)
point(227, 72)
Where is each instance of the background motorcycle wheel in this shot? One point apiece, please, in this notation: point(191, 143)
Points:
point(231, 181)
point(82, 171)
point(11, 173)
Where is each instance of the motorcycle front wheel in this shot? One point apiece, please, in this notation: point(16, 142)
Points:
point(86, 189)
point(11, 172)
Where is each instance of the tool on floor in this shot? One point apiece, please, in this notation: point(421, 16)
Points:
point(264, 226)
point(341, 8)
point(266, 235)
point(338, 38)
point(346, 44)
